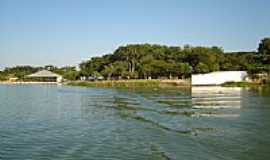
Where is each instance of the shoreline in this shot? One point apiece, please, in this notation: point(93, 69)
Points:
point(132, 83)
point(140, 83)
point(243, 84)
point(112, 83)
point(20, 82)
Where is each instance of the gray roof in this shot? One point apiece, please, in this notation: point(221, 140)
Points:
point(44, 73)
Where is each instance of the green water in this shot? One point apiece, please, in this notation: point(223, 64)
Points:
point(70, 123)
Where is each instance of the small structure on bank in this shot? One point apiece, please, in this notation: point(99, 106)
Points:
point(45, 76)
point(218, 78)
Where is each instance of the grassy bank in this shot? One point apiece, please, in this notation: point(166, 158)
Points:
point(131, 83)
point(241, 84)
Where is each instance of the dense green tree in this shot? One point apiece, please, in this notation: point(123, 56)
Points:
point(119, 69)
point(201, 68)
point(210, 57)
point(20, 71)
point(183, 70)
point(50, 67)
point(3, 76)
point(264, 46)
point(108, 71)
point(68, 72)
point(154, 61)
point(238, 61)
point(141, 61)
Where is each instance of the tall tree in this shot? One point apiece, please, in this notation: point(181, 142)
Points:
point(264, 46)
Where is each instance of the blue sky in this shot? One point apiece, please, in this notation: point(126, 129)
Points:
point(63, 32)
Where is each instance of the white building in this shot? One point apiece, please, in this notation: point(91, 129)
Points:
point(218, 78)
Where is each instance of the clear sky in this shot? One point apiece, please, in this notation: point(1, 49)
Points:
point(63, 32)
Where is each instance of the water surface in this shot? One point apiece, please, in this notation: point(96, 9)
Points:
point(60, 122)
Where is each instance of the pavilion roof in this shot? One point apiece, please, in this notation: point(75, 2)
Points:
point(44, 73)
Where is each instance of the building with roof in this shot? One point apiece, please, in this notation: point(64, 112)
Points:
point(45, 76)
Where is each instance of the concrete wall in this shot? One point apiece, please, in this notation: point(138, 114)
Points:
point(217, 78)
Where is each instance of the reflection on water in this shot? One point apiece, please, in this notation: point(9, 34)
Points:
point(217, 101)
point(59, 122)
point(216, 97)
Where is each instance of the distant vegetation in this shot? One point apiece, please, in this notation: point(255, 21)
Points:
point(145, 61)
point(20, 72)
point(119, 83)
point(240, 84)
point(155, 61)
point(131, 83)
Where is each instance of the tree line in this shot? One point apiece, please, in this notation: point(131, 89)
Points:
point(68, 72)
point(147, 61)
point(156, 61)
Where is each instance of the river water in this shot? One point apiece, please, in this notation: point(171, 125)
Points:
point(74, 123)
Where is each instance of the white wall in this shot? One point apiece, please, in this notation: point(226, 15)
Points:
point(217, 78)
point(59, 79)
